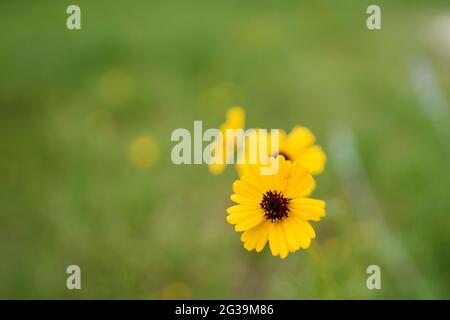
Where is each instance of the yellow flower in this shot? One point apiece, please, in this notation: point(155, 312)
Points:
point(115, 87)
point(144, 151)
point(235, 120)
point(275, 208)
point(298, 146)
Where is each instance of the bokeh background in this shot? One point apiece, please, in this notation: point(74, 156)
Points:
point(85, 123)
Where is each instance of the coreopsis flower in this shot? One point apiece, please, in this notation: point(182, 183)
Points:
point(275, 208)
point(235, 119)
point(297, 146)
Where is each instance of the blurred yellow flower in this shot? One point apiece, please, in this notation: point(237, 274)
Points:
point(114, 87)
point(275, 208)
point(235, 119)
point(298, 146)
point(144, 151)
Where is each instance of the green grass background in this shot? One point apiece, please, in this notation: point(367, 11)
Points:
point(70, 195)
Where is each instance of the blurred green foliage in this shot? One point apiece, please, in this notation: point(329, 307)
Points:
point(73, 102)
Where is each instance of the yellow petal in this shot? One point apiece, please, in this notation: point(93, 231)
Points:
point(282, 243)
point(244, 200)
point(312, 202)
point(246, 235)
point(264, 237)
point(280, 180)
point(262, 149)
point(250, 223)
point(242, 188)
point(235, 117)
point(254, 236)
point(300, 182)
point(300, 234)
point(273, 240)
point(293, 244)
point(299, 138)
point(307, 208)
point(282, 141)
point(253, 178)
point(240, 208)
point(312, 158)
point(237, 218)
point(306, 226)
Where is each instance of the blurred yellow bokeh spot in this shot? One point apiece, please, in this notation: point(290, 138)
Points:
point(144, 151)
point(176, 291)
point(235, 119)
point(115, 87)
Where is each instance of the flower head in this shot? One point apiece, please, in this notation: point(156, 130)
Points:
point(144, 151)
point(275, 208)
point(235, 120)
point(297, 146)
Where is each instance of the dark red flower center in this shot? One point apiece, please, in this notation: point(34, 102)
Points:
point(275, 206)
